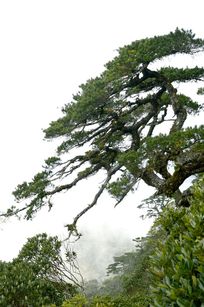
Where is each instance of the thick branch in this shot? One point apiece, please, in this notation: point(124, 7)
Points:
point(151, 178)
point(178, 109)
point(194, 165)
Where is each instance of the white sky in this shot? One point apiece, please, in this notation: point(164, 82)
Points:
point(47, 49)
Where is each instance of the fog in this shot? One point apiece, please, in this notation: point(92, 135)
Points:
point(48, 48)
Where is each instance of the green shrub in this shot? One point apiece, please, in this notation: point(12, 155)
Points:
point(178, 263)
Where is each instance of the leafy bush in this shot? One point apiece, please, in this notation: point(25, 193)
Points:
point(33, 277)
point(107, 301)
point(178, 263)
point(78, 300)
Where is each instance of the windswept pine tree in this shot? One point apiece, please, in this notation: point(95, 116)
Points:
point(117, 121)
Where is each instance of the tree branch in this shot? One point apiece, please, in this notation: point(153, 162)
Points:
point(72, 227)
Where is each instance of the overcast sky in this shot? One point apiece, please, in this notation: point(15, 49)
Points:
point(47, 49)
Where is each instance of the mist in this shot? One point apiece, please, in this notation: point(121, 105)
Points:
point(48, 50)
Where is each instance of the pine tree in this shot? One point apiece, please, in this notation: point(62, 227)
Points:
point(129, 123)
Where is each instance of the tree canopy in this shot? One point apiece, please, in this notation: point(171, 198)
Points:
point(39, 274)
point(129, 123)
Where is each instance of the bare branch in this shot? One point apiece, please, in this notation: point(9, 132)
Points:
point(72, 227)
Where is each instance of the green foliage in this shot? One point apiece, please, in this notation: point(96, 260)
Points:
point(77, 300)
point(107, 301)
point(32, 278)
point(182, 74)
point(20, 286)
point(120, 186)
point(102, 302)
point(178, 263)
point(136, 300)
point(151, 49)
point(27, 190)
point(42, 252)
point(52, 161)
